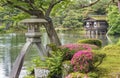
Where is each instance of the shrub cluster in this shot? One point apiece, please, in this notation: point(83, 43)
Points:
point(83, 60)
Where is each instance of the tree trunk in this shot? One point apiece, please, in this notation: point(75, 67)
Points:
point(52, 33)
point(49, 27)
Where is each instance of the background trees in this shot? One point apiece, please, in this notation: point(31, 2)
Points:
point(63, 13)
point(114, 19)
point(41, 9)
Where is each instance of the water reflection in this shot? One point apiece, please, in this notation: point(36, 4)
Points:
point(5, 59)
point(10, 45)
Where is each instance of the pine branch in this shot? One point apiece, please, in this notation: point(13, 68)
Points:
point(42, 7)
point(52, 4)
point(31, 2)
point(84, 6)
point(16, 6)
point(57, 2)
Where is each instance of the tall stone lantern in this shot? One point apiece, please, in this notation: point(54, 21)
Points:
point(32, 37)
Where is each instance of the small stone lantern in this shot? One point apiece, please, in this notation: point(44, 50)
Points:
point(33, 37)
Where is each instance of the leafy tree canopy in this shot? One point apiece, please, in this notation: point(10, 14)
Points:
point(114, 19)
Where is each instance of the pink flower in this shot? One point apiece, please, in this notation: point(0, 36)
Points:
point(81, 60)
point(78, 47)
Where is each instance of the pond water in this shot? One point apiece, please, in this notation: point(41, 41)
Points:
point(10, 45)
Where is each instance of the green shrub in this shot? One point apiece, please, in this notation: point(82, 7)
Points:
point(91, 41)
point(93, 75)
point(52, 63)
point(52, 46)
point(98, 59)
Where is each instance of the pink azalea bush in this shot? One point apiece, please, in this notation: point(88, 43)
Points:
point(82, 61)
point(75, 47)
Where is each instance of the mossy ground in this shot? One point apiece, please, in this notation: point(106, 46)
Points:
point(111, 63)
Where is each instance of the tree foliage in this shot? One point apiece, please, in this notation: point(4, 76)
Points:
point(114, 19)
point(66, 13)
point(41, 9)
point(73, 19)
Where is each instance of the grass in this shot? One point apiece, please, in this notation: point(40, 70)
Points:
point(112, 61)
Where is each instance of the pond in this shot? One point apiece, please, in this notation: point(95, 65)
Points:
point(10, 45)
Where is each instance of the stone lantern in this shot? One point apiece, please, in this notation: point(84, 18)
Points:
point(33, 25)
point(32, 37)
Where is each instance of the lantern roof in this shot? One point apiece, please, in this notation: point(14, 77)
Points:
point(33, 19)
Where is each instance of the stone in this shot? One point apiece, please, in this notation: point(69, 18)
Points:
point(41, 73)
